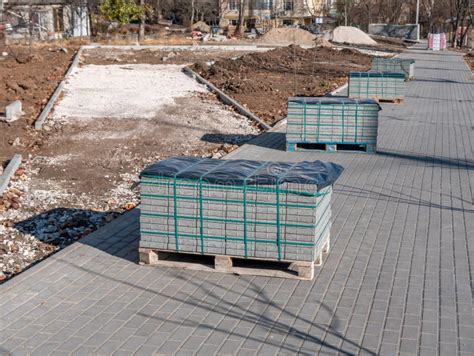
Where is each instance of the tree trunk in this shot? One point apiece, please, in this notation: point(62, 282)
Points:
point(192, 14)
point(346, 5)
point(141, 34)
point(240, 24)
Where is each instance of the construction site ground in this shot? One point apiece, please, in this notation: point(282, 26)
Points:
point(397, 280)
point(77, 171)
point(264, 81)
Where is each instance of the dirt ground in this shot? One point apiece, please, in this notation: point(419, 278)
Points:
point(264, 81)
point(155, 56)
point(31, 79)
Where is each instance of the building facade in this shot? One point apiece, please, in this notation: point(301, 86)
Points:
point(45, 19)
point(271, 13)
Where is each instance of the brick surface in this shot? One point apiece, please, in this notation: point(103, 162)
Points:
point(397, 278)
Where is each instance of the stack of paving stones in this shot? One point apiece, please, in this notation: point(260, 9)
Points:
point(326, 120)
point(395, 65)
point(383, 86)
point(261, 210)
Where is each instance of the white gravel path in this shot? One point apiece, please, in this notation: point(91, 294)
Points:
point(123, 91)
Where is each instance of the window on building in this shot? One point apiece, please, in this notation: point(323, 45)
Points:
point(233, 4)
point(288, 5)
point(266, 4)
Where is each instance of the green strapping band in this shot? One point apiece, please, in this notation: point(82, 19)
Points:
point(304, 119)
point(234, 187)
point(236, 201)
point(319, 120)
point(175, 201)
point(201, 209)
point(278, 183)
point(201, 217)
point(245, 207)
point(356, 112)
point(278, 220)
point(342, 117)
point(175, 213)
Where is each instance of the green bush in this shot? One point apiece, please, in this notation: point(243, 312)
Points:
point(122, 11)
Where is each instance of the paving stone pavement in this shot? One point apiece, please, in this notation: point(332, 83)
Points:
point(398, 279)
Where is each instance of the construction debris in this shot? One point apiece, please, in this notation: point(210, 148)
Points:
point(12, 112)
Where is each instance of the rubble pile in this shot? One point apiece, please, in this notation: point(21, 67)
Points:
point(19, 250)
point(31, 228)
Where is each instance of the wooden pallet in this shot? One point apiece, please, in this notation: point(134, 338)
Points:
point(232, 264)
point(339, 147)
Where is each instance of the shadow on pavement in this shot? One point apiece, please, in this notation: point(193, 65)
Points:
point(209, 302)
point(433, 160)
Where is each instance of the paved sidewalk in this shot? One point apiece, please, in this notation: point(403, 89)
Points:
point(397, 280)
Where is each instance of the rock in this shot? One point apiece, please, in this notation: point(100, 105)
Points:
point(64, 50)
point(201, 26)
point(2, 276)
point(4, 54)
point(16, 142)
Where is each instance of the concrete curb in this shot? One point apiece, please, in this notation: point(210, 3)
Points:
point(47, 109)
point(9, 172)
point(226, 99)
point(200, 47)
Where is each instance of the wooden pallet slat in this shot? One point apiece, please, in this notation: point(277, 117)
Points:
point(303, 270)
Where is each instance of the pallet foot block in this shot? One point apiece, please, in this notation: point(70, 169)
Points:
point(380, 86)
point(148, 257)
point(395, 65)
point(332, 124)
point(219, 215)
point(223, 264)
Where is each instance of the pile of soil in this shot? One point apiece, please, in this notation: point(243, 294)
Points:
point(30, 76)
point(263, 81)
point(350, 35)
point(287, 36)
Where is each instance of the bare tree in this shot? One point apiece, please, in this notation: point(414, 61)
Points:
point(240, 24)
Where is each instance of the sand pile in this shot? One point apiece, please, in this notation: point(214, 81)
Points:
point(350, 35)
point(288, 36)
